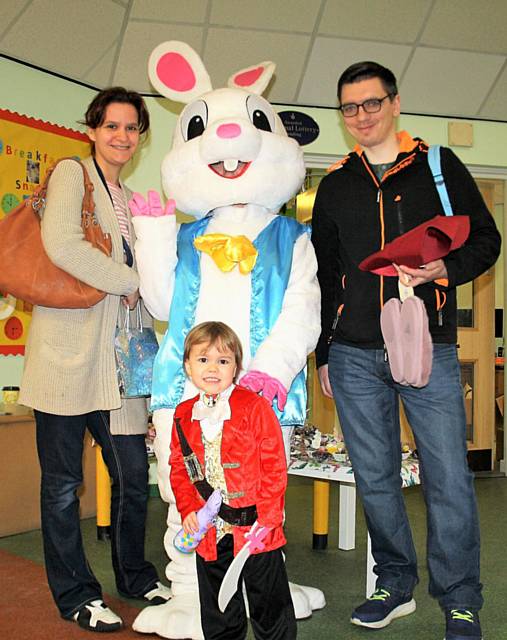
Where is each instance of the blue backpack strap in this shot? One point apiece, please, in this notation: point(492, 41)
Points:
point(436, 170)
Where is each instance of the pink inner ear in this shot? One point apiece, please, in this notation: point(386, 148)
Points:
point(247, 78)
point(175, 72)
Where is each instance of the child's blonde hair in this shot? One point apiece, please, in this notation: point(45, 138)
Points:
point(215, 334)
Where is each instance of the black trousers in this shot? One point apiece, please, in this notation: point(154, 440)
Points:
point(267, 588)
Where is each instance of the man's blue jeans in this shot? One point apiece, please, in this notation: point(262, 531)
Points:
point(60, 449)
point(367, 402)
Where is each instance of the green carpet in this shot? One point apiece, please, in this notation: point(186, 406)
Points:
point(340, 574)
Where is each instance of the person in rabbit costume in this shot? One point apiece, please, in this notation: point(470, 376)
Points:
point(231, 166)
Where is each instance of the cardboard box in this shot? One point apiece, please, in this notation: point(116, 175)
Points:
point(20, 476)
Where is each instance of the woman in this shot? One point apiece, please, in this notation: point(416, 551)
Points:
point(70, 374)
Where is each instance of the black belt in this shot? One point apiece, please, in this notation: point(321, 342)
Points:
point(237, 516)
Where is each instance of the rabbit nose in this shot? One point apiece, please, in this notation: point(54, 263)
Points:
point(229, 130)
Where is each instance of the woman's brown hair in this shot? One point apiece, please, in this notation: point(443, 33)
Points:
point(96, 111)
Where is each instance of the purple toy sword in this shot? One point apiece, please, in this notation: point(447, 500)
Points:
point(187, 542)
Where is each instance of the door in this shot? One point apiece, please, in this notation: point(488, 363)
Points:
point(476, 339)
point(476, 352)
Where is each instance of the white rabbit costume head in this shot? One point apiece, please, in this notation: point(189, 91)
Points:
point(229, 145)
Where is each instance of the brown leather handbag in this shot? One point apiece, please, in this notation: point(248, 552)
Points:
point(27, 273)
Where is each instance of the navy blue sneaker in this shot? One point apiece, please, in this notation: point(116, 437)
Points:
point(462, 624)
point(382, 608)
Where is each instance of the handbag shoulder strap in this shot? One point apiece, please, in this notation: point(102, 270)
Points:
point(88, 206)
point(438, 177)
point(88, 201)
point(91, 228)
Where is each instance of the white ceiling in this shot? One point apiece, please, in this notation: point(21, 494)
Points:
point(450, 56)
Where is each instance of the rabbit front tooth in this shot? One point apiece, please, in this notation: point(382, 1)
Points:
point(230, 164)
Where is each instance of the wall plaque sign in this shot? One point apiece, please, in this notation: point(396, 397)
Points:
point(300, 126)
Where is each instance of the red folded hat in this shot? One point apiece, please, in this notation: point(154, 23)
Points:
point(428, 241)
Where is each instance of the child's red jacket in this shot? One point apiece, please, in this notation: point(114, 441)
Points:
point(254, 463)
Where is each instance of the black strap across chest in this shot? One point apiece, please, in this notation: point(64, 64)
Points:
point(237, 516)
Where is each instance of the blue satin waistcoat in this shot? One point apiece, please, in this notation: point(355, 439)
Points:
point(270, 276)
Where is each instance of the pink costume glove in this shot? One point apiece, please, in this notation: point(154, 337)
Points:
point(270, 387)
point(256, 536)
point(139, 206)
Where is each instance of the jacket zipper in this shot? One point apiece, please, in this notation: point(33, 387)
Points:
point(338, 314)
point(335, 323)
point(401, 226)
point(381, 216)
point(441, 299)
point(333, 326)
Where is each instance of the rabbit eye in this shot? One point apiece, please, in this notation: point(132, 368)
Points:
point(260, 113)
point(260, 120)
point(194, 120)
point(195, 127)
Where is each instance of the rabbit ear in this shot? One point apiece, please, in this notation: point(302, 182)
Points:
point(177, 72)
point(254, 79)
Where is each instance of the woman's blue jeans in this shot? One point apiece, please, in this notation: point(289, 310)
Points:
point(60, 448)
point(367, 403)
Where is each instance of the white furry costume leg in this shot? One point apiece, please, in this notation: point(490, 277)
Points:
point(180, 617)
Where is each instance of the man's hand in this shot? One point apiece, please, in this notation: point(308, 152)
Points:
point(325, 385)
point(434, 270)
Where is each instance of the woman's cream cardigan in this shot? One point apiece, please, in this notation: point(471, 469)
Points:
point(69, 360)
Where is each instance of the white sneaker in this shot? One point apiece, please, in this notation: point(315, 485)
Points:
point(95, 616)
point(159, 594)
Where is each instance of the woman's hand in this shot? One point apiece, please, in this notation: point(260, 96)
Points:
point(131, 300)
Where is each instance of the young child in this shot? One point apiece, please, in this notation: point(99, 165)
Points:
point(228, 438)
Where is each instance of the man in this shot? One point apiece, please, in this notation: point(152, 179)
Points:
point(383, 188)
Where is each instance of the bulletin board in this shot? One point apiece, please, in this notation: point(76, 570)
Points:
point(28, 147)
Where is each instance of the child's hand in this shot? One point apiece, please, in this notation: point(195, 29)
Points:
point(190, 524)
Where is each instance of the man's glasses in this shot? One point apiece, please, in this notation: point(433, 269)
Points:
point(373, 105)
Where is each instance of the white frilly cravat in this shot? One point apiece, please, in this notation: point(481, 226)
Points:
point(212, 416)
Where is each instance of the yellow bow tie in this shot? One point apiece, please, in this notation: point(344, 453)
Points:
point(227, 251)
